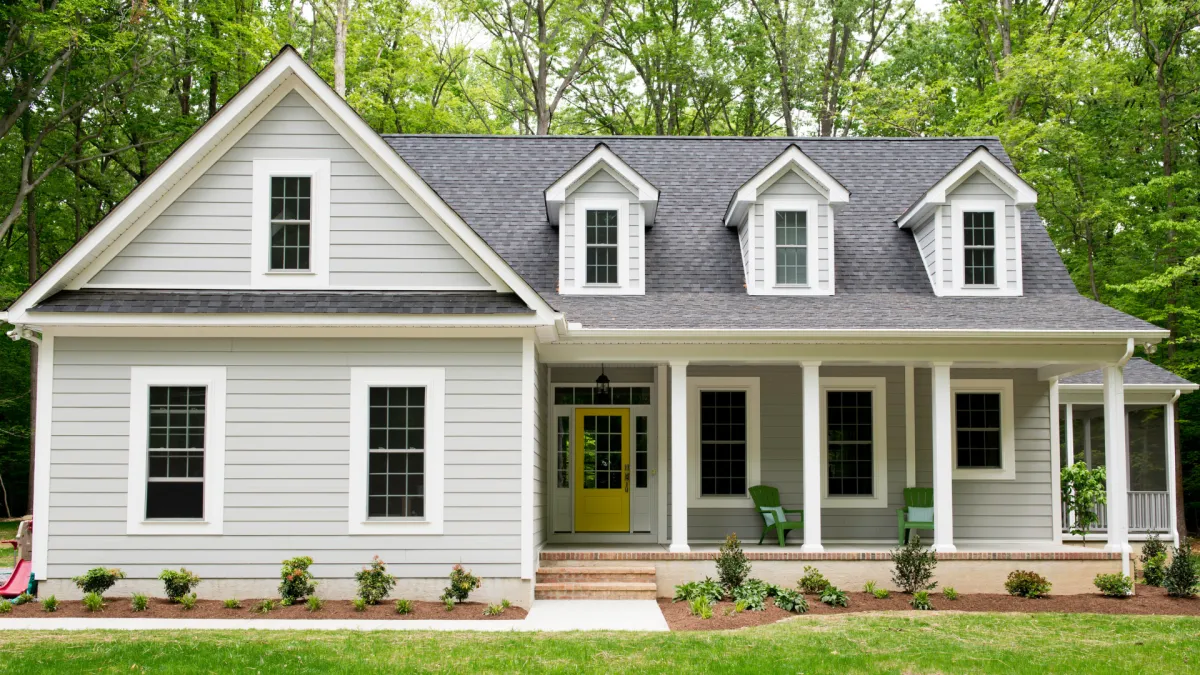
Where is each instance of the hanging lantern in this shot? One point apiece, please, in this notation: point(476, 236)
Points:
point(603, 387)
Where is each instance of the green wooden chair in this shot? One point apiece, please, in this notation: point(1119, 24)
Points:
point(915, 498)
point(775, 517)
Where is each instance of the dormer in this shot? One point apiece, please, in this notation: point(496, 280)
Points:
point(968, 228)
point(602, 208)
point(784, 217)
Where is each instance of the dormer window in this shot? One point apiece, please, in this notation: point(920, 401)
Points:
point(289, 239)
point(979, 248)
point(291, 222)
point(788, 239)
point(603, 227)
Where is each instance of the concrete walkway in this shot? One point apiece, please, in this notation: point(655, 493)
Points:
point(546, 615)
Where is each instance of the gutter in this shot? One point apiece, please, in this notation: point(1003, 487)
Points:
point(575, 330)
point(1128, 354)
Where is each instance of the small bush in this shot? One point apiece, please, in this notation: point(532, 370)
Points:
point(6, 607)
point(178, 584)
point(93, 602)
point(263, 606)
point(1114, 585)
point(881, 593)
point(404, 606)
point(374, 582)
point(505, 603)
point(949, 593)
point(188, 601)
point(314, 604)
point(790, 600)
point(1026, 584)
point(701, 607)
point(493, 610)
point(23, 598)
point(233, 603)
point(462, 583)
point(1182, 578)
point(297, 582)
point(285, 602)
point(50, 604)
point(697, 589)
point(912, 566)
point(920, 600)
point(1154, 545)
point(835, 597)
point(732, 566)
point(138, 602)
point(448, 602)
point(360, 605)
point(98, 580)
point(813, 581)
point(869, 587)
point(753, 593)
point(1154, 573)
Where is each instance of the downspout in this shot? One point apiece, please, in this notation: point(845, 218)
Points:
point(1126, 564)
point(22, 332)
point(1172, 487)
point(1128, 353)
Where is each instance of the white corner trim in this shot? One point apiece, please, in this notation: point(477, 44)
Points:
point(528, 454)
point(910, 427)
point(212, 378)
point(980, 160)
point(662, 385)
point(317, 276)
point(44, 414)
point(878, 388)
point(361, 381)
point(623, 285)
point(751, 386)
point(812, 247)
point(1056, 532)
point(600, 156)
point(1008, 445)
point(958, 263)
point(791, 159)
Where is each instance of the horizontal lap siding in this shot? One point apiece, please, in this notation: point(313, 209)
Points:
point(287, 440)
point(376, 238)
point(926, 235)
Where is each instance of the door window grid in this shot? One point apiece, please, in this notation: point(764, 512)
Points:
point(791, 248)
point(563, 445)
point(641, 451)
point(588, 396)
point(602, 247)
point(175, 474)
point(722, 443)
point(291, 222)
point(602, 452)
point(850, 443)
point(979, 248)
point(977, 430)
point(396, 457)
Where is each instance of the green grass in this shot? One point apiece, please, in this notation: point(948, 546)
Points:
point(937, 643)
point(8, 554)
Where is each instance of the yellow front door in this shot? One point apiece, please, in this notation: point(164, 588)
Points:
point(602, 470)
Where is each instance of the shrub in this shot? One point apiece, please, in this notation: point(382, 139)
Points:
point(696, 589)
point(920, 600)
point(1155, 571)
point(912, 566)
point(869, 587)
point(360, 605)
point(790, 600)
point(448, 602)
point(493, 610)
point(374, 583)
point(1026, 584)
point(404, 606)
point(297, 582)
point(23, 598)
point(1153, 546)
point(701, 607)
point(6, 607)
point(93, 602)
point(812, 581)
point(314, 604)
point(753, 594)
point(881, 593)
point(1182, 578)
point(1114, 585)
point(264, 606)
point(50, 604)
point(233, 603)
point(178, 584)
point(505, 603)
point(188, 601)
point(835, 597)
point(138, 602)
point(98, 580)
point(462, 583)
point(949, 593)
point(1083, 489)
point(732, 566)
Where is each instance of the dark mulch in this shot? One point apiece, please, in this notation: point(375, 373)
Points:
point(215, 609)
point(1149, 600)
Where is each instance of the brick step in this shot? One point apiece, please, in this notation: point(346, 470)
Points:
point(595, 590)
point(596, 574)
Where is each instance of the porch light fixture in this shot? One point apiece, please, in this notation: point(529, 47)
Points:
point(603, 387)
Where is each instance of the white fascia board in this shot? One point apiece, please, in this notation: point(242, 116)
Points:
point(980, 160)
point(602, 155)
point(1167, 388)
point(793, 157)
point(867, 335)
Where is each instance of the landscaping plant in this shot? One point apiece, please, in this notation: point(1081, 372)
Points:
point(93, 602)
point(138, 602)
point(6, 607)
point(869, 587)
point(462, 583)
point(1155, 570)
point(813, 581)
point(790, 600)
point(448, 601)
point(696, 589)
point(912, 566)
point(233, 603)
point(297, 582)
point(314, 604)
point(1182, 579)
point(360, 605)
point(1083, 489)
point(493, 610)
point(835, 597)
point(881, 593)
point(949, 593)
point(402, 606)
point(1027, 584)
point(23, 598)
point(1114, 585)
point(701, 607)
point(753, 594)
point(920, 600)
point(188, 601)
point(50, 604)
point(178, 584)
point(264, 606)
point(98, 580)
point(374, 582)
point(505, 603)
point(732, 566)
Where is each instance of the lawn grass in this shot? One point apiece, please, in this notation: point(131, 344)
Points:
point(909, 643)
point(8, 554)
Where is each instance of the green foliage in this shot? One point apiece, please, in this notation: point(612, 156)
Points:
point(1025, 584)
point(360, 605)
point(1083, 490)
point(732, 566)
point(314, 604)
point(6, 607)
point(791, 600)
point(264, 606)
point(708, 588)
point(505, 603)
point(402, 606)
point(462, 583)
point(93, 602)
point(178, 584)
point(449, 602)
point(912, 566)
point(835, 597)
point(296, 581)
point(813, 581)
point(493, 610)
point(1155, 571)
point(1153, 546)
point(50, 604)
point(1114, 585)
point(374, 583)
point(188, 601)
point(233, 603)
point(881, 593)
point(753, 594)
point(139, 602)
point(869, 587)
point(1182, 579)
point(920, 600)
point(701, 607)
point(23, 598)
point(949, 593)
point(98, 580)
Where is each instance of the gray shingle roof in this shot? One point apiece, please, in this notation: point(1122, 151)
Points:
point(693, 264)
point(1137, 371)
point(272, 302)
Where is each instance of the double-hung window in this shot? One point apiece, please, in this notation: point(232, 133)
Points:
point(291, 223)
point(789, 228)
point(289, 240)
point(984, 438)
point(175, 487)
point(396, 487)
point(979, 248)
point(723, 441)
point(602, 246)
point(791, 248)
point(854, 442)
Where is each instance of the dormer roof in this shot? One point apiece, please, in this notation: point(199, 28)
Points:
point(600, 158)
point(980, 160)
point(791, 159)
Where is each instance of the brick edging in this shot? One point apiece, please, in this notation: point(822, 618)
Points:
point(561, 556)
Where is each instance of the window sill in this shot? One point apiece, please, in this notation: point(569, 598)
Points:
point(397, 526)
point(721, 502)
point(984, 474)
point(828, 502)
point(188, 527)
point(290, 273)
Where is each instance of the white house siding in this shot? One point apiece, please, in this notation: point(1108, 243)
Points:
point(540, 443)
point(602, 185)
point(979, 186)
point(927, 237)
point(202, 240)
point(286, 484)
point(790, 184)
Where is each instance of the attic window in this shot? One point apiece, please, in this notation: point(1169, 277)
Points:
point(602, 255)
point(291, 222)
point(979, 248)
point(289, 240)
point(791, 248)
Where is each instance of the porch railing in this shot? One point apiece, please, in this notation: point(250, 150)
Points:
point(1149, 511)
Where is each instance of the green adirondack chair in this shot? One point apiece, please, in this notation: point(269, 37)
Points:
point(775, 517)
point(914, 497)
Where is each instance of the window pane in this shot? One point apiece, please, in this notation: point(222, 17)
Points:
point(641, 454)
point(564, 451)
point(722, 443)
point(175, 447)
point(396, 475)
point(174, 500)
point(979, 248)
point(395, 479)
point(602, 232)
point(291, 209)
point(977, 430)
point(850, 442)
point(791, 247)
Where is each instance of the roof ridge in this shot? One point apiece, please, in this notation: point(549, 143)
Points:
point(602, 138)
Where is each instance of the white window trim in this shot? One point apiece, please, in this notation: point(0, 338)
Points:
point(879, 480)
point(434, 381)
point(141, 378)
point(623, 287)
point(1008, 444)
point(813, 220)
point(750, 385)
point(958, 262)
point(317, 276)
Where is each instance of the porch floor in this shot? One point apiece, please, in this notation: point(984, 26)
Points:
point(967, 550)
point(979, 546)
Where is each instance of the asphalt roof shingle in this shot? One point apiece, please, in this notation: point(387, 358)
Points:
point(1137, 371)
point(281, 302)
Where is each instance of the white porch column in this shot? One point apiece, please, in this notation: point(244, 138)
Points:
point(811, 403)
point(679, 458)
point(943, 461)
point(1116, 459)
point(1055, 465)
point(1070, 434)
point(1169, 422)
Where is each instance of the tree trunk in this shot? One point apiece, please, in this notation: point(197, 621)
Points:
point(339, 47)
point(32, 233)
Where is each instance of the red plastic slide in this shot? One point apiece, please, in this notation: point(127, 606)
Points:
point(19, 582)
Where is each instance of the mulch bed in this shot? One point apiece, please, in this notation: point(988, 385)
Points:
point(118, 608)
point(1149, 600)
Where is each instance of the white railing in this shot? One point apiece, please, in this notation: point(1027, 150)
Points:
point(1148, 512)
